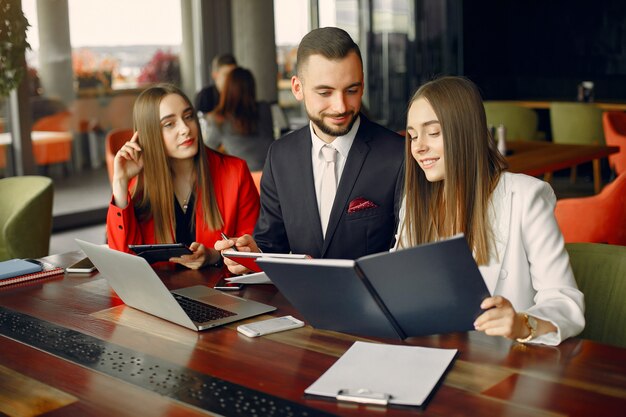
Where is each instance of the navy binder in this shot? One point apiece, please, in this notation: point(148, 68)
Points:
point(428, 289)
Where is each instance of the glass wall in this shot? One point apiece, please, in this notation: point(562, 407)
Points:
point(113, 46)
point(403, 43)
point(111, 49)
point(292, 20)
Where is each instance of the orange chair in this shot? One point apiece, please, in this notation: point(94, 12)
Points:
point(597, 219)
point(115, 139)
point(3, 156)
point(55, 150)
point(256, 176)
point(614, 123)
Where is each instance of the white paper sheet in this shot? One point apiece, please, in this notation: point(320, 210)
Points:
point(258, 278)
point(407, 373)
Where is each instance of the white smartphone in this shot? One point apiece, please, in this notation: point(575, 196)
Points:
point(264, 327)
point(84, 266)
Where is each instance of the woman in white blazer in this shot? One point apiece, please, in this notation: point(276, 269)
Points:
point(456, 183)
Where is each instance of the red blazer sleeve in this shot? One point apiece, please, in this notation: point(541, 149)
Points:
point(248, 212)
point(236, 194)
point(123, 228)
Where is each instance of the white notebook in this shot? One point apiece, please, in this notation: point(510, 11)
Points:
point(384, 374)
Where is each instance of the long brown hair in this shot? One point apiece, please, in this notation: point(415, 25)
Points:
point(153, 194)
point(238, 101)
point(473, 165)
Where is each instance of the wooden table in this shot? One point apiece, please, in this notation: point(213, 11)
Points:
point(545, 104)
point(538, 158)
point(491, 376)
point(39, 136)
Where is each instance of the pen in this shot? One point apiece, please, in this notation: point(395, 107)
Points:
point(227, 238)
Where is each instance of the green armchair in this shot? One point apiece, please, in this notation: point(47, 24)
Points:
point(25, 217)
point(520, 122)
point(600, 272)
point(579, 124)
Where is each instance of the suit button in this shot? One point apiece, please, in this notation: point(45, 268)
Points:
point(119, 214)
point(503, 274)
point(120, 227)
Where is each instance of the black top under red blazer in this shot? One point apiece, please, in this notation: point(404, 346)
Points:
point(289, 220)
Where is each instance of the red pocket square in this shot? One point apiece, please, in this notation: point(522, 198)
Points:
point(359, 204)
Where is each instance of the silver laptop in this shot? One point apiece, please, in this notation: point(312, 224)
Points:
point(197, 308)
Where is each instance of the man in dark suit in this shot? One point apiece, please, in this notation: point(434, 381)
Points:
point(367, 169)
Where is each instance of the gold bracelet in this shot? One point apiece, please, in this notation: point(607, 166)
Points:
point(531, 324)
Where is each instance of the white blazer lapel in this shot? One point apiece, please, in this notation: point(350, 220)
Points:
point(499, 218)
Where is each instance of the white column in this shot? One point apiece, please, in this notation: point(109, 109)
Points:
point(55, 50)
point(206, 33)
point(187, 70)
point(254, 43)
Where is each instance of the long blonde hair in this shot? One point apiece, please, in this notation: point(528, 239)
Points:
point(473, 165)
point(153, 193)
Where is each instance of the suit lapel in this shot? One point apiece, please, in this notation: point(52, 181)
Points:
point(356, 158)
point(499, 217)
point(305, 190)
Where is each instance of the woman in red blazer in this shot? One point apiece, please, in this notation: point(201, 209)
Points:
point(167, 187)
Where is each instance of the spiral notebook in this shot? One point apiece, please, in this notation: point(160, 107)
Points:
point(47, 270)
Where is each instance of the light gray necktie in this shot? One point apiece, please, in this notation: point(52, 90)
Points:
point(329, 185)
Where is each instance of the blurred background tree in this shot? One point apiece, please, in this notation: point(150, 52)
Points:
point(163, 67)
point(92, 71)
point(13, 45)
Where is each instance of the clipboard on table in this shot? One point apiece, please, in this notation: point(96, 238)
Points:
point(427, 289)
point(380, 374)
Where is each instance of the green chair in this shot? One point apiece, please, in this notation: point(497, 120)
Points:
point(25, 217)
point(600, 272)
point(578, 123)
point(520, 122)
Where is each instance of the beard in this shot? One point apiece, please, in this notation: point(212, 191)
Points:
point(329, 130)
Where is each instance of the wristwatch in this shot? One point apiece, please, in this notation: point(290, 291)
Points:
point(531, 323)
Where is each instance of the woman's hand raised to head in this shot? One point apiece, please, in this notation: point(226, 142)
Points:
point(128, 160)
point(128, 164)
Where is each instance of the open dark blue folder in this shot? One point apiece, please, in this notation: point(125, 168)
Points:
point(428, 289)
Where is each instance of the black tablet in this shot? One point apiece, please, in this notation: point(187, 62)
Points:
point(160, 252)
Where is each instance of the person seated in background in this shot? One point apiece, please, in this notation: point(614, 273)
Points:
point(209, 97)
point(240, 125)
point(455, 182)
point(168, 187)
point(331, 189)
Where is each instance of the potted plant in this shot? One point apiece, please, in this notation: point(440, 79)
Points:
point(92, 72)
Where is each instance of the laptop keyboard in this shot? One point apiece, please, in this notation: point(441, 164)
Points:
point(200, 312)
